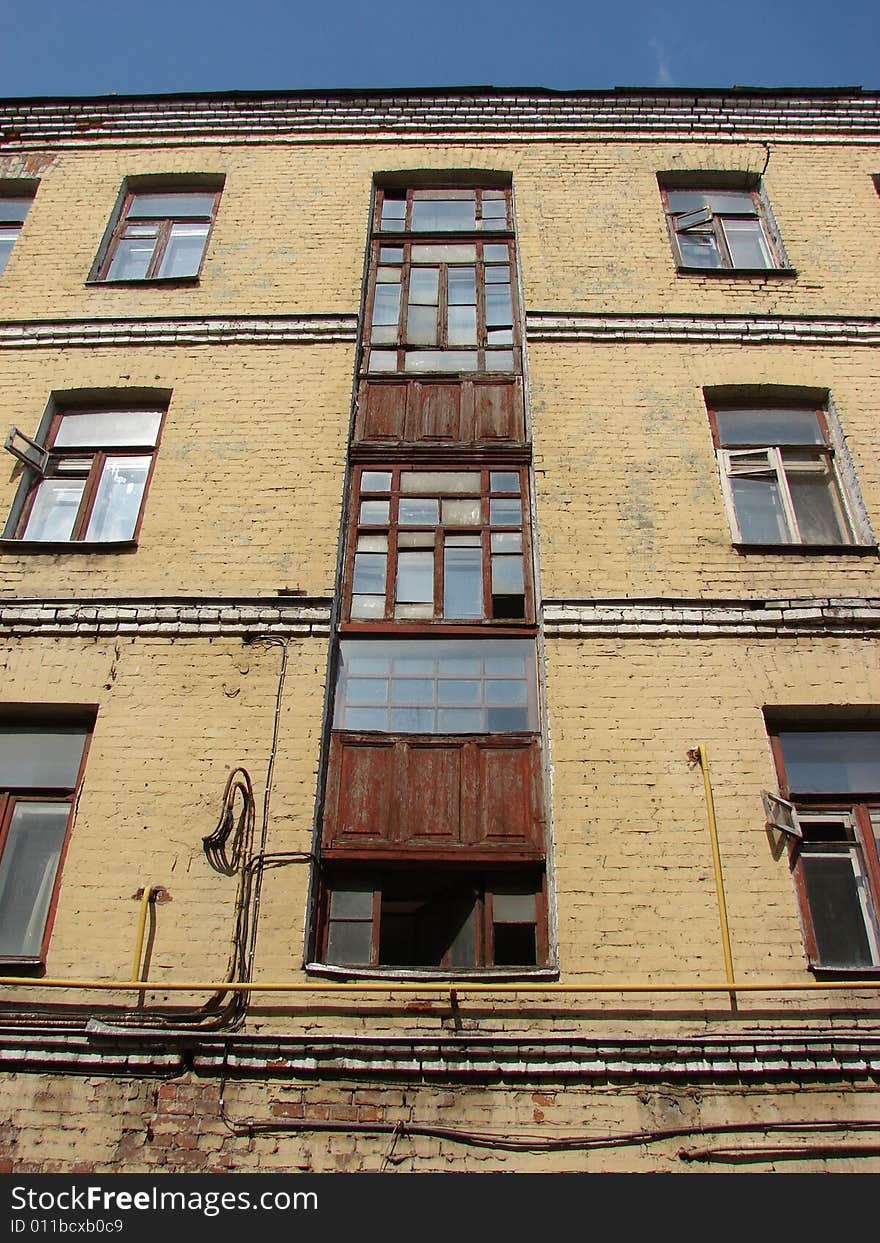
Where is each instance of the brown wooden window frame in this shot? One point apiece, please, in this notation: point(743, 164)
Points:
point(483, 883)
point(404, 240)
point(15, 204)
point(94, 458)
point(164, 225)
point(862, 812)
point(732, 458)
point(441, 533)
point(711, 222)
point(13, 796)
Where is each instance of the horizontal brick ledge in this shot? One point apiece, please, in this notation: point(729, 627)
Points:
point(711, 619)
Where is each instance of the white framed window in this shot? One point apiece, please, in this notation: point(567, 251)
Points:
point(786, 478)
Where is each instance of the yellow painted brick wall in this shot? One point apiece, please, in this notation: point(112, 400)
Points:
point(174, 716)
point(291, 229)
point(634, 869)
point(247, 489)
point(629, 497)
point(67, 1124)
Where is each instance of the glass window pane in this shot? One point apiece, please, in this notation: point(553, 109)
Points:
point(421, 325)
point(108, 429)
point(383, 334)
point(349, 942)
point(507, 576)
point(833, 892)
point(391, 254)
point(364, 718)
point(462, 583)
point(440, 216)
point(367, 690)
point(386, 305)
point(415, 577)
point(496, 253)
point(385, 276)
point(832, 762)
point(374, 513)
point(505, 691)
point(759, 511)
point(499, 311)
point(34, 757)
point(748, 247)
point(184, 251)
point(418, 692)
point(508, 720)
point(499, 360)
point(699, 249)
point(416, 539)
point(499, 336)
point(418, 511)
point(513, 908)
point(817, 506)
point(462, 481)
point(463, 513)
point(118, 499)
point(424, 285)
point(351, 903)
point(505, 512)
point(54, 510)
point(413, 720)
point(368, 606)
point(382, 360)
point(28, 868)
point(443, 254)
point(170, 206)
point(369, 573)
point(376, 481)
point(506, 541)
point(14, 210)
point(461, 721)
point(416, 611)
point(131, 260)
point(459, 691)
point(499, 275)
point(440, 360)
point(504, 481)
point(7, 241)
point(462, 286)
point(462, 325)
point(769, 427)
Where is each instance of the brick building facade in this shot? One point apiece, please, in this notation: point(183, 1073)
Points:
point(440, 721)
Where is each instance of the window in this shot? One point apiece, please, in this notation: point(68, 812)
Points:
point(40, 769)
point(832, 777)
point(13, 210)
point(440, 545)
point(87, 483)
point(453, 686)
point(443, 920)
point(441, 290)
point(719, 229)
point(782, 480)
point(159, 235)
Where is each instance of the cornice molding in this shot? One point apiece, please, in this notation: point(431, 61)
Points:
point(541, 327)
point(750, 1055)
point(297, 617)
point(576, 326)
point(833, 618)
point(474, 114)
point(207, 330)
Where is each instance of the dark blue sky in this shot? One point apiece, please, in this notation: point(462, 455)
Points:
point(91, 47)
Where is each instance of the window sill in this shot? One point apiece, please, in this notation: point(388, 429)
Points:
point(736, 273)
point(25, 967)
point(844, 973)
point(164, 281)
point(437, 975)
point(808, 550)
point(29, 547)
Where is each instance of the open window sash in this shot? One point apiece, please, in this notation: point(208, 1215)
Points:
point(782, 815)
point(27, 451)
